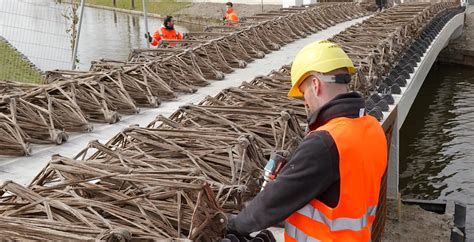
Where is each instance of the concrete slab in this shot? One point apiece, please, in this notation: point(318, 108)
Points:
point(23, 169)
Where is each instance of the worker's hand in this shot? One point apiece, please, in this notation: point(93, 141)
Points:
point(233, 236)
point(263, 236)
point(148, 37)
point(274, 166)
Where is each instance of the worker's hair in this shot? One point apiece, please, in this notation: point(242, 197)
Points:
point(167, 20)
point(229, 4)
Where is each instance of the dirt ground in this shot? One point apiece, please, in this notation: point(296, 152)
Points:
point(417, 224)
point(217, 10)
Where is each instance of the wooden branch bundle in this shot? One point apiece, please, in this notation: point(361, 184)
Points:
point(74, 98)
point(273, 130)
point(269, 40)
point(212, 53)
point(100, 95)
point(264, 32)
point(108, 87)
point(231, 54)
point(230, 162)
point(180, 76)
point(137, 80)
point(44, 118)
point(209, 55)
point(173, 179)
point(257, 40)
point(152, 83)
point(181, 71)
point(8, 89)
point(376, 45)
point(92, 200)
point(93, 103)
point(12, 138)
point(36, 123)
point(41, 116)
point(253, 51)
point(229, 41)
point(265, 92)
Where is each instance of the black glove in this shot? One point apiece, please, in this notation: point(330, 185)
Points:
point(223, 18)
point(263, 236)
point(233, 236)
point(148, 37)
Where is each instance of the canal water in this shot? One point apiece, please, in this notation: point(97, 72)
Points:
point(38, 29)
point(437, 139)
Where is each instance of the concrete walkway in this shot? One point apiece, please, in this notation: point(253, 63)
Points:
point(23, 169)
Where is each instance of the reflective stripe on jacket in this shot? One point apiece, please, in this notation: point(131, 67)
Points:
point(166, 34)
point(362, 148)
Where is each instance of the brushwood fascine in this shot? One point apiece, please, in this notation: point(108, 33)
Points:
point(176, 179)
point(71, 100)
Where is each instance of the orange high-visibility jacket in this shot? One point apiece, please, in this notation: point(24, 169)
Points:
point(166, 34)
point(362, 149)
point(231, 16)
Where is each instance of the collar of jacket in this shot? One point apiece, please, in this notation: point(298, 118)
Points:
point(166, 27)
point(343, 105)
point(229, 11)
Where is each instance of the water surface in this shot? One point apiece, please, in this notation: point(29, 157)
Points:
point(38, 29)
point(437, 139)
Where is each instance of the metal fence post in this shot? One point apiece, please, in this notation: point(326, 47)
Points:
point(76, 42)
point(145, 15)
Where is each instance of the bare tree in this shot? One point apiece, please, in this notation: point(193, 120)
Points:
point(72, 17)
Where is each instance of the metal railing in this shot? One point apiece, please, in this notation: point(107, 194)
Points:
point(35, 37)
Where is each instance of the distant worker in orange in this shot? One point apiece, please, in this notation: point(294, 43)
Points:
point(230, 15)
point(166, 32)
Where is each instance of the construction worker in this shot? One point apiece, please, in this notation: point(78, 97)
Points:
point(329, 189)
point(230, 15)
point(166, 32)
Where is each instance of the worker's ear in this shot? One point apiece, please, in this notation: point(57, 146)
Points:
point(316, 85)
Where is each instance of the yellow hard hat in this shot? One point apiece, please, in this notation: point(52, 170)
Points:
point(321, 56)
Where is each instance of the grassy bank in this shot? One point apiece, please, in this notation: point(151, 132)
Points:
point(14, 68)
point(161, 7)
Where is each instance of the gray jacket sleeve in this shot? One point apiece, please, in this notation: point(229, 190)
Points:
point(313, 168)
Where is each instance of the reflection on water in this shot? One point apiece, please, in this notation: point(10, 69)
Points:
point(437, 139)
point(38, 29)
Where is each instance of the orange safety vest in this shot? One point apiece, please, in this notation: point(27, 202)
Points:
point(166, 34)
point(231, 16)
point(362, 148)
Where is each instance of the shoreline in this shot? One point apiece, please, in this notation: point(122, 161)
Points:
point(181, 18)
point(461, 50)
